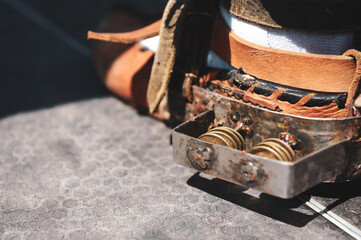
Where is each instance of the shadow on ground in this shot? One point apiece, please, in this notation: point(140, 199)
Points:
point(276, 208)
point(284, 210)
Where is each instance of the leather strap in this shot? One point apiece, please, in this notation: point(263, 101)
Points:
point(149, 31)
point(128, 76)
point(273, 102)
point(323, 73)
point(164, 59)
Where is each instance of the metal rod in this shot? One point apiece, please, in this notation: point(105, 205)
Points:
point(332, 217)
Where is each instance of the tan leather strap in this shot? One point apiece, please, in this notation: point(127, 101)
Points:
point(128, 37)
point(324, 73)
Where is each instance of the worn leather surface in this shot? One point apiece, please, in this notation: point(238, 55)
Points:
point(334, 73)
point(128, 76)
point(125, 68)
point(310, 15)
point(128, 37)
point(315, 72)
point(165, 57)
point(273, 102)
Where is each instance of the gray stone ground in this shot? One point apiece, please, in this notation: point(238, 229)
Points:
point(98, 170)
point(76, 163)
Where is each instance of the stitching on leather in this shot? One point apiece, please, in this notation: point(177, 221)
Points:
point(305, 101)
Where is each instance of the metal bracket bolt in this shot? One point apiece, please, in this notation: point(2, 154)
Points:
point(200, 156)
point(249, 173)
point(243, 124)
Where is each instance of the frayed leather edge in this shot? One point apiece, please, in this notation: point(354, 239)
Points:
point(149, 31)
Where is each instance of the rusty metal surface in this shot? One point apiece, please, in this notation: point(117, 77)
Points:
point(307, 134)
point(313, 133)
point(282, 179)
point(99, 170)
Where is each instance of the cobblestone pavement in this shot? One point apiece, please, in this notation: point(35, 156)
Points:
point(98, 170)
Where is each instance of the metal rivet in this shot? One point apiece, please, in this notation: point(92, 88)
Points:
point(200, 156)
point(249, 173)
point(247, 120)
point(235, 117)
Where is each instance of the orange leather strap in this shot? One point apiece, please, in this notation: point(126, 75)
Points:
point(324, 73)
point(128, 37)
point(128, 76)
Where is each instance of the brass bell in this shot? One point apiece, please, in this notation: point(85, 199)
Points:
point(225, 136)
point(274, 148)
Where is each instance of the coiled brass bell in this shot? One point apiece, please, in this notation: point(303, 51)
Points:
point(225, 136)
point(274, 148)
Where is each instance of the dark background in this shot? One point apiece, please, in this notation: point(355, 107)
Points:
point(45, 57)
